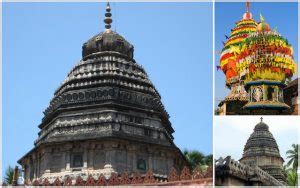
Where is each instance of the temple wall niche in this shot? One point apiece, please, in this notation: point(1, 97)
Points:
point(57, 162)
point(121, 161)
point(99, 159)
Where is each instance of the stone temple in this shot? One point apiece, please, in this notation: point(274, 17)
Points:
point(261, 163)
point(105, 117)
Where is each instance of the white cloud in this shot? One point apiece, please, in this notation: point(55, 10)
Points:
point(232, 132)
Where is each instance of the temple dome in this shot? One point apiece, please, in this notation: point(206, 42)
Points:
point(263, 26)
point(107, 41)
point(265, 55)
point(261, 143)
point(261, 126)
point(262, 150)
point(230, 51)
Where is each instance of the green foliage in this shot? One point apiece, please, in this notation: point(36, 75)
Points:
point(209, 160)
point(292, 178)
point(293, 157)
point(198, 160)
point(9, 173)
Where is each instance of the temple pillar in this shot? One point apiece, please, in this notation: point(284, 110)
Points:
point(68, 148)
point(150, 161)
point(34, 165)
point(85, 155)
point(91, 156)
point(47, 160)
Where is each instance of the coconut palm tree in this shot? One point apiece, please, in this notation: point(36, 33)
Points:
point(194, 158)
point(292, 178)
point(9, 174)
point(293, 156)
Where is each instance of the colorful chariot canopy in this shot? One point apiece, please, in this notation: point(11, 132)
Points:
point(253, 51)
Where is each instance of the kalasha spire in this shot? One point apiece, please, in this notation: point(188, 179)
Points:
point(248, 14)
point(107, 19)
point(247, 6)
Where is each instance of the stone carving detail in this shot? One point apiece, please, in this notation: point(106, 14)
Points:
point(57, 182)
point(46, 182)
point(104, 93)
point(149, 178)
point(243, 171)
point(136, 179)
point(35, 183)
point(197, 174)
point(66, 125)
point(68, 181)
point(125, 179)
point(185, 174)
point(113, 180)
point(173, 176)
point(79, 181)
point(101, 180)
point(90, 181)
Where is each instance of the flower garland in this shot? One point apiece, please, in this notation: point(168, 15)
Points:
point(245, 28)
point(266, 53)
point(237, 37)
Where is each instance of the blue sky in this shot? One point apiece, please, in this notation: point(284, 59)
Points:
point(281, 15)
point(42, 42)
point(236, 131)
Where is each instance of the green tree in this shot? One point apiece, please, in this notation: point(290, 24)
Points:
point(9, 173)
point(209, 160)
point(198, 160)
point(293, 156)
point(194, 158)
point(292, 177)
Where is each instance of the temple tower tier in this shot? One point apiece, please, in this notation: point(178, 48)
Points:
point(262, 150)
point(105, 117)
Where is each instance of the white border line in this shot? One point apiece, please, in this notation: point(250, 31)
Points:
point(298, 99)
point(159, 1)
point(1, 108)
point(133, 1)
point(213, 97)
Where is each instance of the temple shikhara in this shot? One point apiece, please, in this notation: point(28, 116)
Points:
point(105, 119)
point(260, 165)
point(258, 64)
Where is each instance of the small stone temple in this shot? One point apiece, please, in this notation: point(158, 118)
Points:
point(261, 163)
point(105, 117)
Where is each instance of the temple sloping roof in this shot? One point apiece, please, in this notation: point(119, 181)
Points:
point(261, 142)
point(261, 150)
point(106, 95)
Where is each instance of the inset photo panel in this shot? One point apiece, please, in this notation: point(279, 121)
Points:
point(107, 93)
point(256, 58)
point(256, 150)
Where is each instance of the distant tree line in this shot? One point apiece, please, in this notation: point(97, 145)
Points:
point(198, 160)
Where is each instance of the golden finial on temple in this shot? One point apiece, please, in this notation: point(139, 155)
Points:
point(108, 19)
point(247, 6)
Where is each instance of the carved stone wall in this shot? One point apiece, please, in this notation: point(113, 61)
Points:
point(81, 157)
point(183, 177)
point(230, 172)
